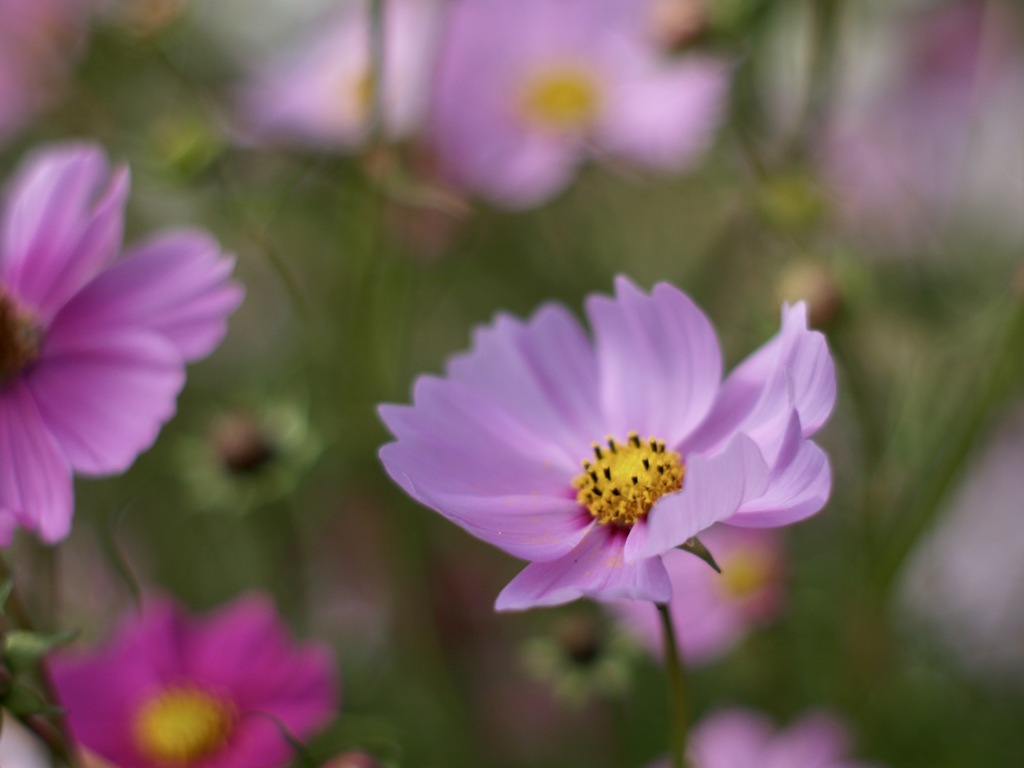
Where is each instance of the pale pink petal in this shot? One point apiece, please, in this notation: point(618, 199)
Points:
point(713, 489)
point(814, 741)
point(35, 479)
point(659, 360)
point(63, 222)
point(796, 490)
point(731, 739)
point(104, 397)
point(176, 284)
point(543, 372)
point(664, 115)
point(595, 569)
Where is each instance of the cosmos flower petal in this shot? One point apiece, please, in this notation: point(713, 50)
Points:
point(595, 569)
point(730, 738)
point(176, 284)
point(72, 386)
point(62, 225)
point(793, 370)
point(543, 371)
point(659, 361)
point(528, 526)
point(666, 118)
point(796, 490)
point(816, 739)
point(713, 490)
point(35, 479)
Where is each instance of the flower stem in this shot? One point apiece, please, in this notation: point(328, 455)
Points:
point(677, 690)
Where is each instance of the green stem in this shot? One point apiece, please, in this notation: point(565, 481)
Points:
point(677, 690)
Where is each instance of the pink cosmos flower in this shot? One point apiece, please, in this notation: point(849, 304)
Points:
point(92, 346)
point(528, 90)
point(322, 94)
point(593, 459)
point(712, 612)
point(216, 692)
point(37, 38)
point(742, 739)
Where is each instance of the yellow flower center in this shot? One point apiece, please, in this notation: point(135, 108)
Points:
point(20, 339)
point(623, 480)
point(561, 99)
point(183, 724)
point(744, 572)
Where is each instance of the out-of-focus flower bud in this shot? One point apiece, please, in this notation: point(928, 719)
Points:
point(814, 283)
point(353, 760)
point(676, 23)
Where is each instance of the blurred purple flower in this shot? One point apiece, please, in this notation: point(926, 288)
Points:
point(37, 40)
point(742, 739)
point(216, 692)
point(897, 161)
point(496, 446)
point(528, 90)
point(322, 94)
point(92, 347)
point(712, 612)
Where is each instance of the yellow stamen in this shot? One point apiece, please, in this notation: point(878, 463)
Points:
point(623, 480)
point(561, 99)
point(183, 724)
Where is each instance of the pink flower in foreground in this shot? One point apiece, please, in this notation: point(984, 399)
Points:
point(742, 739)
point(92, 346)
point(216, 692)
point(712, 612)
point(528, 90)
point(37, 40)
point(323, 93)
point(593, 459)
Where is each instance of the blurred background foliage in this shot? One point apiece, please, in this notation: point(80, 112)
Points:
point(360, 277)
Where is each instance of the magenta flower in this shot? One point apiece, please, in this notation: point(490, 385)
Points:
point(742, 739)
point(713, 612)
point(216, 692)
point(322, 94)
point(591, 460)
point(92, 347)
point(528, 90)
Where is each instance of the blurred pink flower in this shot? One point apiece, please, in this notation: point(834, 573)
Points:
point(712, 612)
point(528, 90)
point(497, 445)
point(899, 160)
point(322, 94)
point(215, 692)
point(37, 41)
point(742, 739)
point(92, 347)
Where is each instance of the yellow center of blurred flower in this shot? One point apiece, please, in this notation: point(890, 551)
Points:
point(744, 572)
point(181, 725)
point(561, 99)
point(20, 339)
point(364, 91)
point(623, 480)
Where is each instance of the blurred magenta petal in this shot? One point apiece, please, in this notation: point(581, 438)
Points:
point(35, 479)
point(99, 343)
point(528, 91)
point(593, 459)
point(242, 657)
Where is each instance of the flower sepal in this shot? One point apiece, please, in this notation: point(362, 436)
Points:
point(694, 546)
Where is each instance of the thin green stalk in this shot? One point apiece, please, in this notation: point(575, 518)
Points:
point(680, 725)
